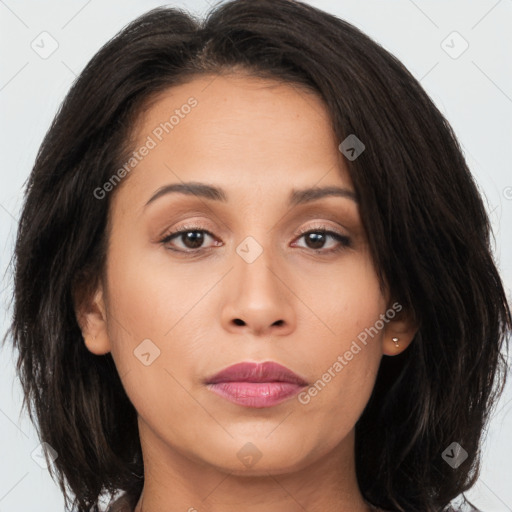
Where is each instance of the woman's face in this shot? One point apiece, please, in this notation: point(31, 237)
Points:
point(243, 285)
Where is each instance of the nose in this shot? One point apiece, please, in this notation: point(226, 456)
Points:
point(258, 298)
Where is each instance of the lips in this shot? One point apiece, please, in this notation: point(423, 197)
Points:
point(257, 372)
point(256, 385)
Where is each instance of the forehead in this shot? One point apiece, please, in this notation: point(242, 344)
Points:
point(240, 130)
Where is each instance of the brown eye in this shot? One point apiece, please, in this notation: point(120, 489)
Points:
point(191, 239)
point(316, 239)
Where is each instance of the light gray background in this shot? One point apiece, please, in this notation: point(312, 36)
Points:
point(474, 91)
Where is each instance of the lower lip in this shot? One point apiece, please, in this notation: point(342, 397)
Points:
point(255, 394)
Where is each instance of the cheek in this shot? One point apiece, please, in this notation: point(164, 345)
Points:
point(345, 369)
point(158, 319)
point(148, 320)
point(151, 296)
point(342, 299)
point(345, 360)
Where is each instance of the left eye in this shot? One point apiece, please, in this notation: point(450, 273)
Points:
point(316, 237)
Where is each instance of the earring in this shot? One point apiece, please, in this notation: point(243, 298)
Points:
point(395, 341)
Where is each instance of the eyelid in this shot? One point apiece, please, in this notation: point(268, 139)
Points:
point(321, 227)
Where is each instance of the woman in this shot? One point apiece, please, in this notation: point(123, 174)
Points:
point(253, 272)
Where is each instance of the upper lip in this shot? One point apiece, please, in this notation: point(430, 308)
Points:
point(268, 371)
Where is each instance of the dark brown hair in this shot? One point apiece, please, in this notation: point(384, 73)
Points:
point(427, 227)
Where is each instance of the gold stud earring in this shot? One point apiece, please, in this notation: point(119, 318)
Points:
point(395, 341)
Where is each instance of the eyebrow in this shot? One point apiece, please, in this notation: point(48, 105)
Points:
point(297, 196)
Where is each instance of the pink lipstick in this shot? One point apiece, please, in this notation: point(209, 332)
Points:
point(256, 385)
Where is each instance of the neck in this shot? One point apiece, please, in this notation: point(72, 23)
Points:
point(174, 481)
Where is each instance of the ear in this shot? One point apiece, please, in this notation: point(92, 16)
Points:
point(92, 319)
point(399, 331)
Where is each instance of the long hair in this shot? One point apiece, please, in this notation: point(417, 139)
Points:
point(427, 227)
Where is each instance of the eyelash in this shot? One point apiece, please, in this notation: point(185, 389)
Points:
point(344, 241)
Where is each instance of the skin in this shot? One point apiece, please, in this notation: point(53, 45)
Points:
point(296, 304)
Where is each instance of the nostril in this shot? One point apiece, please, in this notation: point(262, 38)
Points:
point(237, 321)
